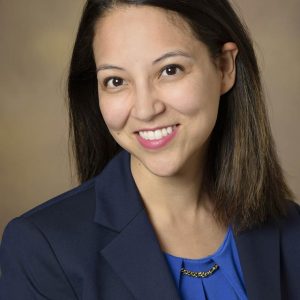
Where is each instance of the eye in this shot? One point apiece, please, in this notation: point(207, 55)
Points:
point(113, 82)
point(171, 70)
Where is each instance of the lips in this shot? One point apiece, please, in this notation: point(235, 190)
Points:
point(157, 134)
point(156, 138)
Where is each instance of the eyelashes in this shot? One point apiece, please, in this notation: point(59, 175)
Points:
point(115, 82)
point(171, 70)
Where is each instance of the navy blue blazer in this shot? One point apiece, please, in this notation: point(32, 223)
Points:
point(96, 243)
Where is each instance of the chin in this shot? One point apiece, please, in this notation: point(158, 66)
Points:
point(163, 173)
point(162, 169)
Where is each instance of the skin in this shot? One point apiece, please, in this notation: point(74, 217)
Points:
point(164, 76)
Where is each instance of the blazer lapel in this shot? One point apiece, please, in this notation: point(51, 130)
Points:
point(136, 257)
point(259, 253)
point(134, 254)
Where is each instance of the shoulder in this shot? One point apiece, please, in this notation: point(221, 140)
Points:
point(289, 227)
point(72, 207)
point(72, 214)
point(40, 248)
point(284, 229)
point(289, 241)
point(63, 214)
point(294, 208)
point(291, 221)
point(82, 195)
point(35, 246)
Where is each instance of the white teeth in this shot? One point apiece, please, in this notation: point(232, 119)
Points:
point(157, 134)
point(151, 135)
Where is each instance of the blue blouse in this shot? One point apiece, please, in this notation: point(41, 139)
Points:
point(226, 283)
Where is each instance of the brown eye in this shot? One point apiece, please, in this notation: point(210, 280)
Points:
point(113, 82)
point(171, 70)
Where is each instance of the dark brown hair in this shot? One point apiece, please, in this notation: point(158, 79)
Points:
point(243, 173)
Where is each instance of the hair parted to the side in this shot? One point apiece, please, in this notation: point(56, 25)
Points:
point(243, 173)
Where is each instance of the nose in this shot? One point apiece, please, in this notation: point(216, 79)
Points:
point(146, 103)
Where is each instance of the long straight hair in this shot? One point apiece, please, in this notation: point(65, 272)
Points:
point(243, 173)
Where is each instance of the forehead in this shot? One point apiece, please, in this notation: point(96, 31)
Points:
point(141, 27)
point(142, 14)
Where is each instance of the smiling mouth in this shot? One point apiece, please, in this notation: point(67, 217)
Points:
point(157, 133)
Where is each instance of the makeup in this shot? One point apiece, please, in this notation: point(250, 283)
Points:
point(158, 138)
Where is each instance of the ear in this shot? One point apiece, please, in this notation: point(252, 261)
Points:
point(227, 66)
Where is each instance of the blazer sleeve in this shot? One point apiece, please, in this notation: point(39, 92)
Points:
point(29, 269)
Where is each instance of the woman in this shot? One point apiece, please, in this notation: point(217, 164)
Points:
point(182, 196)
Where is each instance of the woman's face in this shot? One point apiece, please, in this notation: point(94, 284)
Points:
point(159, 89)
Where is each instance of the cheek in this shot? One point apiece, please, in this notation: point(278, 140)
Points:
point(194, 96)
point(115, 113)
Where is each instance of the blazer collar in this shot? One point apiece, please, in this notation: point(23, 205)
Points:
point(117, 197)
point(259, 254)
point(134, 254)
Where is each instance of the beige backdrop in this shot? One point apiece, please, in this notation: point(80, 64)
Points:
point(36, 38)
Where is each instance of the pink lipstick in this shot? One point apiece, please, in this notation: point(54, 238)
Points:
point(157, 143)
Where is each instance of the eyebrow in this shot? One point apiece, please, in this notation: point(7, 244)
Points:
point(107, 67)
point(159, 59)
point(171, 54)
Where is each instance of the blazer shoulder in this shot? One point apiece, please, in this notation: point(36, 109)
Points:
point(290, 222)
point(289, 237)
point(289, 228)
point(63, 213)
point(72, 195)
point(293, 214)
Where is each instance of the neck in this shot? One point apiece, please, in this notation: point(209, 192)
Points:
point(172, 198)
